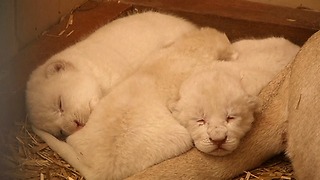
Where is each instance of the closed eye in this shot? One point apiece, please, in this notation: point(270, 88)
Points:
point(201, 122)
point(62, 136)
point(61, 110)
point(230, 118)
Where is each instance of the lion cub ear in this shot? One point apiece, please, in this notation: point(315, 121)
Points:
point(254, 103)
point(229, 54)
point(57, 67)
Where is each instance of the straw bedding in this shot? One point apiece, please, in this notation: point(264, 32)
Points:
point(35, 160)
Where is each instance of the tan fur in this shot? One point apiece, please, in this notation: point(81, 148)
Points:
point(131, 128)
point(304, 112)
point(63, 91)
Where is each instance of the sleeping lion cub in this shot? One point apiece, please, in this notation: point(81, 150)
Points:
point(132, 128)
point(217, 105)
point(216, 110)
point(62, 92)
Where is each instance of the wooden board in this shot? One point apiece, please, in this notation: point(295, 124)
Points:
point(239, 9)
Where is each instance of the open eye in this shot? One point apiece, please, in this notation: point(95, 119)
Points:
point(61, 105)
point(201, 122)
point(230, 118)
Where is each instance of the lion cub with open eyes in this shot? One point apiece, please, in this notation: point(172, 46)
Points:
point(217, 105)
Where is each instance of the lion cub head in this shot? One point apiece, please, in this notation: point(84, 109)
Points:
point(216, 110)
point(60, 98)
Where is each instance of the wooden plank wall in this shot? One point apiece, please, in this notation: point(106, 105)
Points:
point(307, 4)
point(240, 10)
point(241, 18)
point(22, 21)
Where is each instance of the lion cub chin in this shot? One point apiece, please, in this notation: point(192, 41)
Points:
point(216, 114)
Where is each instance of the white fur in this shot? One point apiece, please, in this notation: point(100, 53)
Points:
point(217, 105)
point(261, 59)
point(131, 128)
point(63, 91)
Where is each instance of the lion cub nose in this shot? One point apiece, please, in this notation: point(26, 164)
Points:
point(218, 142)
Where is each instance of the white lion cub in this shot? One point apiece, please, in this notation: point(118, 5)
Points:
point(63, 91)
point(217, 105)
point(132, 128)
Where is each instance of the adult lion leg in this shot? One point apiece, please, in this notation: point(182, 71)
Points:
point(304, 107)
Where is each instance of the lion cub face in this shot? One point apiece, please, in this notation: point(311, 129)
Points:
point(60, 98)
point(216, 110)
